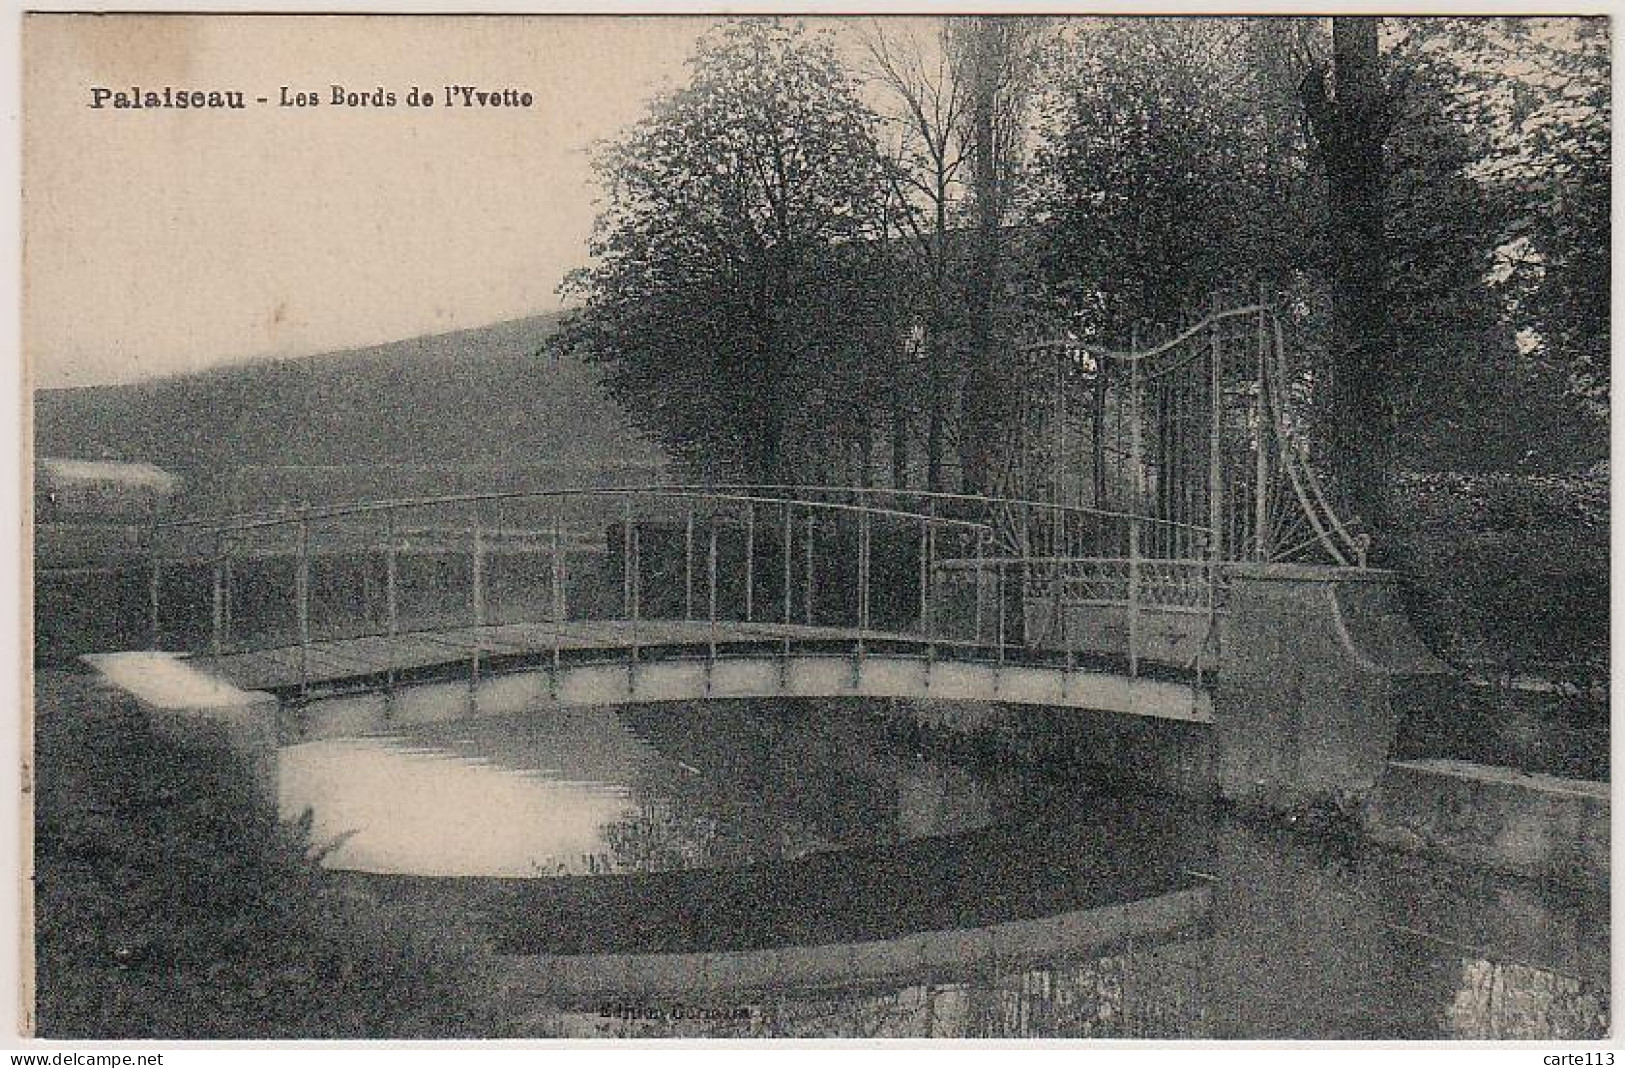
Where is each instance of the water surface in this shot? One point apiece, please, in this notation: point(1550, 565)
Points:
point(803, 829)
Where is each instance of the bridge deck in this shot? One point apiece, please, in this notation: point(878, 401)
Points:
point(335, 661)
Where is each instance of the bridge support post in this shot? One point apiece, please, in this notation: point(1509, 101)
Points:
point(688, 562)
point(711, 594)
point(1319, 666)
point(217, 615)
point(154, 583)
point(557, 592)
point(750, 562)
point(392, 619)
point(1134, 597)
point(301, 596)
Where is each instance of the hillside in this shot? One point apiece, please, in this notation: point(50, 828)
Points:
point(482, 398)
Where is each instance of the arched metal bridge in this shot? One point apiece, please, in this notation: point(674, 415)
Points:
point(1095, 583)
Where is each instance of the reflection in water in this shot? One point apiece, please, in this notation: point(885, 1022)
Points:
point(804, 828)
point(1519, 1001)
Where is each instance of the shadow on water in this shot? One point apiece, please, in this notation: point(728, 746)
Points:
point(748, 841)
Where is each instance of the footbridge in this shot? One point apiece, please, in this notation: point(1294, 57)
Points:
point(1161, 550)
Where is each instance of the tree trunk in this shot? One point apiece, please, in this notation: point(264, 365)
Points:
point(1350, 130)
point(982, 409)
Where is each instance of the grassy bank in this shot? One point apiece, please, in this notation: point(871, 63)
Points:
point(164, 909)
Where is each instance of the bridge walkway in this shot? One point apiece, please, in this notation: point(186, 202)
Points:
point(340, 660)
point(646, 653)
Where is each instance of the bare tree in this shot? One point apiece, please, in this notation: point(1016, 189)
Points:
point(927, 107)
point(994, 58)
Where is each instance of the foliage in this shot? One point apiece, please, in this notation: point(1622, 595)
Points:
point(164, 910)
point(1511, 570)
point(741, 207)
point(1534, 93)
point(1170, 168)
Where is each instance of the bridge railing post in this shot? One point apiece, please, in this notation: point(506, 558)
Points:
point(999, 580)
point(863, 583)
point(1264, 435)
point(1134, 596)
point(925, 580)
point(228, 629)
point(557, 591)
point(154, 590)
point(1215, 461)
point(217, 614)
point(688, 560)
point(633, 607)
point(301, 594)
point(392, 608)
point(812, 531)
point(979, 580)
point(750, 561)
point(476, 593)
point(711, 592)
point(788, 576)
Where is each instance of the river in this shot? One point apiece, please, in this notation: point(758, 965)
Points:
point(886, 890)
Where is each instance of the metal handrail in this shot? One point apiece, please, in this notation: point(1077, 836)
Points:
point(742, 493)
point(253, 521)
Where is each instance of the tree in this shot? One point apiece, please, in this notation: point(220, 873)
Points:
point(1497, 192)
point(743, 200)
point(928, 107)
point(994, 57)
point(1169, 169)
point(1350, 116)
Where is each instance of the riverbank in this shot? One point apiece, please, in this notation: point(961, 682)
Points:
point(163, 908)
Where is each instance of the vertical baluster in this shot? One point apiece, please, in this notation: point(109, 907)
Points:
point(557, 592)
point(1136, 446)
point(476, 595)
point(1134, 596)
point(301, 588)
point(634, 594)
point(750, 561)
point(925, 578)
point(392, 619)
point(711, 589)
point(154, 583)
point(688, 561)
point(981, 562)
point(930, 582)
point(863, 580)
point(217, 605)
point(811, 534)
point(1026, 575)
point(787, 568)
point(999, 580)
point(1215, 469)
point(788, 579)
point(1262, 428)
point(626, 558)
point(230, 570)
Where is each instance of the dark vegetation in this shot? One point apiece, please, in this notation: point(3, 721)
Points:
point(428, 415)
point(165, 909)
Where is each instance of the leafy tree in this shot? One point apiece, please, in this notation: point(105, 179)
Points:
point(1170, 167)
point(715, 247)
point(1494, 328)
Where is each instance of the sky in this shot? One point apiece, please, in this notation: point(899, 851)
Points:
point(164, 241)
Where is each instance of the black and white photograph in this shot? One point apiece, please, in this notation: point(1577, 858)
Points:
point(971, 527)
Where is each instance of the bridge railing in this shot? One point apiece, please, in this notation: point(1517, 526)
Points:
point(508, 573)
